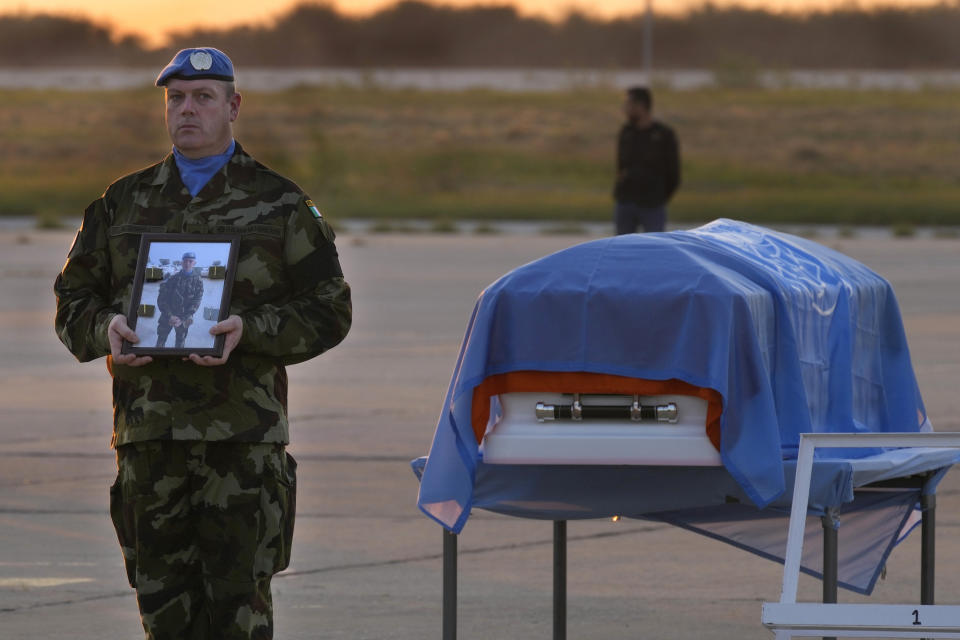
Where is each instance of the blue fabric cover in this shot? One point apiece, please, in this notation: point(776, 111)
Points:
point(581, 492)
point(706, 500)
point(795, 337)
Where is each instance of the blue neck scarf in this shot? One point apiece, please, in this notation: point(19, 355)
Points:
point(196, 172)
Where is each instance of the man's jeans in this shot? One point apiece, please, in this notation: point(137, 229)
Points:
point(627, 216)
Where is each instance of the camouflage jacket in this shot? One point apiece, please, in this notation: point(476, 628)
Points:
point(180, 294)
point(288, 289)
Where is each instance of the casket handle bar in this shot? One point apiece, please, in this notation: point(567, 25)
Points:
point(636, 411)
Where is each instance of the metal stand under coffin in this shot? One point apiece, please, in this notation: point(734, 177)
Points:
point(519, 437)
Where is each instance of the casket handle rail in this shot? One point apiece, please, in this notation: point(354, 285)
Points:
point(636, 412)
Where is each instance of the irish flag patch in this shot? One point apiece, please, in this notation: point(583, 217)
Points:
point(313, 209)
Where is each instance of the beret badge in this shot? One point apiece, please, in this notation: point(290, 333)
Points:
point(201, 60)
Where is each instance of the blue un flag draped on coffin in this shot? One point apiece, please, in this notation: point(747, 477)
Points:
point(795, 337)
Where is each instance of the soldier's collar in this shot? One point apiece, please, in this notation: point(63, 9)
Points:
point(165, 171)
point(240, 169)
point(167, 177)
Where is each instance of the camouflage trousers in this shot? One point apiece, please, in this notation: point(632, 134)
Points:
point(203, 526)
point(163, 332)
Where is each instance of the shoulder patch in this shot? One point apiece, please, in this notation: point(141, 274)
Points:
point(313, 209)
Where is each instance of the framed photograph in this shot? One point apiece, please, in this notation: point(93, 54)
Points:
point(181, 289)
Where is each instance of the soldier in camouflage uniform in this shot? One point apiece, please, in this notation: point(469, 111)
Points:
point(205, 494)
point(178, 299)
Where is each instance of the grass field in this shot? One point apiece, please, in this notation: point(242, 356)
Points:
point(798, 156)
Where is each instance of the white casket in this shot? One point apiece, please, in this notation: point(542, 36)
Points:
point(755, 336)
point(555, 428)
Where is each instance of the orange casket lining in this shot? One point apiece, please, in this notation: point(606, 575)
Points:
point(588, 383)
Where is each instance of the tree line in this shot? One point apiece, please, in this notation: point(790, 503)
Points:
point(417, 34)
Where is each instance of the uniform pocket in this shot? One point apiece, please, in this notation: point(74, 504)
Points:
point(259, 275)
point(289, 485)
point(280, 514)
point(277, 511)
point(124, 240)
point(122, 514)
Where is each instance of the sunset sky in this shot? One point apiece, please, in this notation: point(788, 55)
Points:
point(153, 20)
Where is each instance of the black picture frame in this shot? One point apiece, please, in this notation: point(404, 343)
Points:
point(159, 274)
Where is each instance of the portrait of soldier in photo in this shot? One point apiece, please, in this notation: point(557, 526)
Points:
point(182, 286)
point(179, 298)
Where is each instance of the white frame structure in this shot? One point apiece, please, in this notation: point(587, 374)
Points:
point(789, 619)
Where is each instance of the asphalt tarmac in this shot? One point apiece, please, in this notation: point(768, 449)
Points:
point(366, 563)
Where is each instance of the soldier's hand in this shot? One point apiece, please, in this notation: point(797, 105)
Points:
point(232, 329)
point(117, 331)
point(175, 321)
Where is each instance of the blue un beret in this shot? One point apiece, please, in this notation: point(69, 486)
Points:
point(189, 255)
point(196, 64)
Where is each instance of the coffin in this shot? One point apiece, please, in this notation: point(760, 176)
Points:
point(756, 336)
point(538, 428)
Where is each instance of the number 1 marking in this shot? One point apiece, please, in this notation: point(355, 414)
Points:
point(916, 616)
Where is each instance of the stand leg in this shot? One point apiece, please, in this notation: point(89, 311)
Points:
point(449, 585)
point(928, 548)
point(560, 580)
point(829, 523)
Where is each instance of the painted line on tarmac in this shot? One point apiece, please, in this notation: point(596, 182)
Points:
point(24, 584)
point(48, 563)
point(72, 601)
point(56, 454)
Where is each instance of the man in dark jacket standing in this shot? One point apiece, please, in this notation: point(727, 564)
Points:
point(648, 166)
